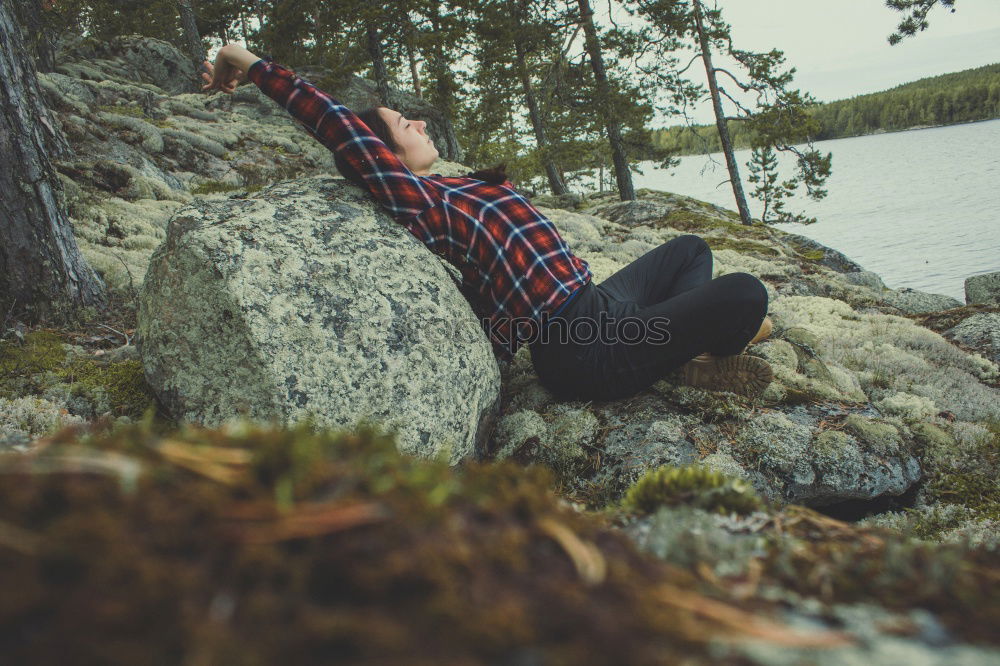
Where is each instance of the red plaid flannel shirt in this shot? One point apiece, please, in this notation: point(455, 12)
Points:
point(513, 261)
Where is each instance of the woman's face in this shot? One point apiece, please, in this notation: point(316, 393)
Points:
point(416, 149)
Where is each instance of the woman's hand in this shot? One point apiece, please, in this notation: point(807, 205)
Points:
point(224, 75)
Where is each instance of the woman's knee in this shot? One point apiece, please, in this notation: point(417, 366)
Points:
point(692, 242)
point(747, 289)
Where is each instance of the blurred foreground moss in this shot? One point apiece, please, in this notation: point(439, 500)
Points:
point(257, 545)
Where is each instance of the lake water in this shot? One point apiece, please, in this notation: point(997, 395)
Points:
point(921, 208)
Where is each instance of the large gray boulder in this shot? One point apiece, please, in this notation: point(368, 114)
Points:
point(984, 288)
point(132, 58)
point(307, 299)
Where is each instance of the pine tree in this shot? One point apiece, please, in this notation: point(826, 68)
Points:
point(779, 117)
point(916, 18)
point(623, 175)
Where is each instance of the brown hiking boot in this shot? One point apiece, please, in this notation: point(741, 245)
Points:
point(763, 332)
point(744, 375)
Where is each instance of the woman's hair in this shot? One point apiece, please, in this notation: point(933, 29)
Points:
point(376, 123)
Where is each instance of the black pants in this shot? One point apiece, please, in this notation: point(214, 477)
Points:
point(619, 337)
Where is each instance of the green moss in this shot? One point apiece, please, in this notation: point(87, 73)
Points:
point(123, 384)
point(709, 406)
point(686, 219)
point(829, 444)
point(694, 486)
point(952, 479)
point(931, 524)
point(213, 186)
point(132, 110)
point(881, 437)
point(23, 365)
point(802, 395)
point(42, 365)
point(741, 245)
point(812, 255)
point(932, 439)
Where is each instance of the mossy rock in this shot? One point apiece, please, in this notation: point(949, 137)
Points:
point(931, 437)
point(802, 339)
point(132, 110)
point(954, 481)
point(777, 352)
point(830, 443)
point(709, 406)
point(804, 395)
point(23, 366)
point(692, 485)
point(42, 366)
point(881, 437)
point(685, 219)
point(741, 245)
point(568, 433)
point(214, 187)
point(123, 382)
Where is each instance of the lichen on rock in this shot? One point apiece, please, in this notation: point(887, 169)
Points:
point(289, 303)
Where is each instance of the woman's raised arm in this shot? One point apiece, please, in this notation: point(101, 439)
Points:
point(331, 123)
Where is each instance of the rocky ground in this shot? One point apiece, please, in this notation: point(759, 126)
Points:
point(851, 513)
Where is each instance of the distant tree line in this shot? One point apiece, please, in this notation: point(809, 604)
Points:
point(961, 97)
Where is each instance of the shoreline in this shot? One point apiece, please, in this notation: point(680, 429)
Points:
point(878, 132)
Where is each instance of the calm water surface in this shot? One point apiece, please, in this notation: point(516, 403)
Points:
point(921, 208)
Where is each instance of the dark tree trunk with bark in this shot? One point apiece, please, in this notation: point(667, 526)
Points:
point(414, 74)
point(43, 277)
point(622, 174)
point(556, 183)
point(36, 35)
point(411, 56)
point(720, 119)
point(444, 89)
point(192, 40)
point(378, 65)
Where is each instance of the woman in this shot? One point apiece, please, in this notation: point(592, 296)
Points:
point(587, 341)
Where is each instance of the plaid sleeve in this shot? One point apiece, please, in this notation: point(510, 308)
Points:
point(390, 181)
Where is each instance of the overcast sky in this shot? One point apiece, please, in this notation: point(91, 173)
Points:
point(839, 47)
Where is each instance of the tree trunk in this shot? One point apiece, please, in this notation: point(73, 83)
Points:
point(412, 57)
point(378, 64)
point(444, 90)
point(556, 184)
point(622, 174)
point(445, 86)
point(36, 35)
point(244, 29)
point(414, 74)
point(192, 40)
point(720, 119)
point(43, 277)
